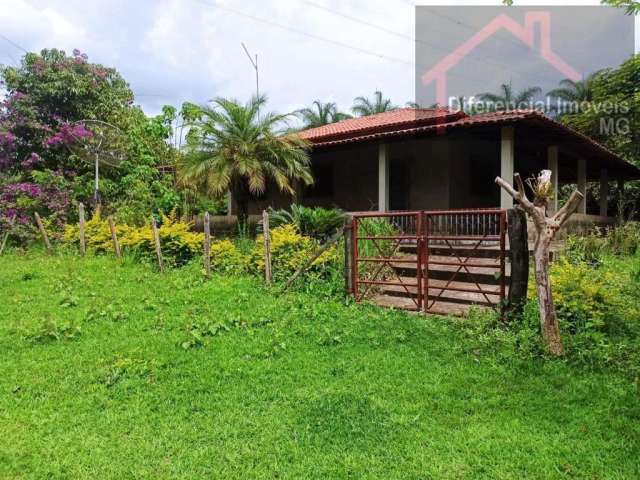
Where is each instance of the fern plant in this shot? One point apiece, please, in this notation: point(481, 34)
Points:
point(319, 223)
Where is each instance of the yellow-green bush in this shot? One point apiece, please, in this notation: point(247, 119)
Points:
point(226, 258)
point(97, 233)
point(179, 243)
point(587, 299)
point(289, 251)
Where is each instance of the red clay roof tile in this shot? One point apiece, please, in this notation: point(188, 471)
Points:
point(380, 122)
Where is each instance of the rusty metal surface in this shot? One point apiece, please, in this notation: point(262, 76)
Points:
point(450, 265)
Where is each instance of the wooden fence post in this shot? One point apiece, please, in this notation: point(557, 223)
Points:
point(45, 237)
point(207, 245)
point(6, 234)
point(519, 252)
point(267, 247)
point(83, 241)
point(348, 256)
point(156, 239)
point(114, 238)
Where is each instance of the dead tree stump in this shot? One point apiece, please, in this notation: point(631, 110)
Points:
point(546, 229)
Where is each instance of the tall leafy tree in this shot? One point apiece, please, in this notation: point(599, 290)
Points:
point(576, 91)
point(616, 121)
point(239, 148)
point(507, 99)
point(51, 102)
point(321, 114)
point(363, 106)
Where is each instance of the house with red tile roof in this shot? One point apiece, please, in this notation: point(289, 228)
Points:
point(428, 159)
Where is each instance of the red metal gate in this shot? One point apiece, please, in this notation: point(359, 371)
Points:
point(433, 261)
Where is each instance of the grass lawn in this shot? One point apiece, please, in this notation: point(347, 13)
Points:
point(286, 386)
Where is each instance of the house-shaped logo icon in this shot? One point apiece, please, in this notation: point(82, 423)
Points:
point(526, 33)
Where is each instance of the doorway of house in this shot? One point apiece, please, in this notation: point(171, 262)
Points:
point(398, 185)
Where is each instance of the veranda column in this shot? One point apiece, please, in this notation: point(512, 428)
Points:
point(506, 163)
point(604, 192)
point(552, 164)
point(383, 177)
point(582, 185)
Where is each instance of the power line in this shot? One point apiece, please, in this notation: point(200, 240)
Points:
point(395, 33)
point(307, 34)
point(390, 58)
point(303, 33)
point(19, 47)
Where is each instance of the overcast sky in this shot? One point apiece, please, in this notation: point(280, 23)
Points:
point(171, 51)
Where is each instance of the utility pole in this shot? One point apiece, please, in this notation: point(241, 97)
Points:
point(254, 63)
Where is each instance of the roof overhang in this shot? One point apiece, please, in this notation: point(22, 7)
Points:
point(587, 147)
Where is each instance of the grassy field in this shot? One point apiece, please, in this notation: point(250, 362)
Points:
point(114, 371)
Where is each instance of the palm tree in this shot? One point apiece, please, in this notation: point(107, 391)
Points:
point(507, 99)
point(363, 106)
point(576, 92)
point(232, 147)
point(321, 114)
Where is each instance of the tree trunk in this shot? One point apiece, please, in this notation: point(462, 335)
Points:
point(549, 325)
point(519, 251)
point(546, 229)
point(241, 196)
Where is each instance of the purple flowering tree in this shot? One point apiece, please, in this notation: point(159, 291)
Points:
point(41, 115)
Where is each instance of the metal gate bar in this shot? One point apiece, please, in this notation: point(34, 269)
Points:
point(448, 245)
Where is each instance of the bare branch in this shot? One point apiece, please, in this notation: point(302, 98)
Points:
point(519, 184)
point(518, 196)
point(507, 187)
point(568, 208)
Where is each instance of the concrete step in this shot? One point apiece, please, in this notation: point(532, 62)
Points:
point(480, 270)
point(438, 308)
point(456, 290)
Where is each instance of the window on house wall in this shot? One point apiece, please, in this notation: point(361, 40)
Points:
point(323, 182)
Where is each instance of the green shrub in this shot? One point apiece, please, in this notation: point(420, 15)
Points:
point(585, 248)
point(598, 313)
point(319, 223)
point(289, 251)
point(589, 300)
point(227, 258)
point(179, 243)
point(625, 239)
point(621, 240)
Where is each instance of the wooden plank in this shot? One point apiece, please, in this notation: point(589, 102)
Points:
point(348, 257)
point(81, 223)
point(156, 239)
point(6, 234)
point(333, 240)
point(114, 238)
point(43, 232)
point(461, 251)
point(519, 251)
point(267, 247)
point(207, 245)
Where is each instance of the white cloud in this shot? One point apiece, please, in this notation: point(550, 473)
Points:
point(176, 50)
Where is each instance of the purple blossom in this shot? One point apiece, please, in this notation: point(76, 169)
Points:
point(31, 161)
point(68, 134)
